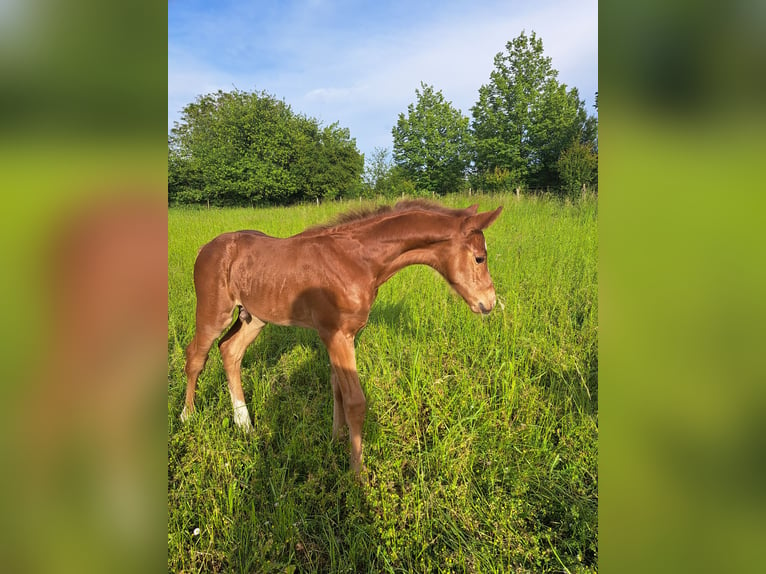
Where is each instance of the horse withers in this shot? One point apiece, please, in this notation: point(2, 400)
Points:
point(326, 278)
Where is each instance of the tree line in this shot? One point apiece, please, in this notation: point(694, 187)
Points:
point(526, 131)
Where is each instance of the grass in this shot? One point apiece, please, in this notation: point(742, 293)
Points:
point(481, 432)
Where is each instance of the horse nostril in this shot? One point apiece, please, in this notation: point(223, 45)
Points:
point(483, 308)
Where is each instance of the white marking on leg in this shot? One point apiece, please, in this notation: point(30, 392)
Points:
point(241, 415)
point(185, 414)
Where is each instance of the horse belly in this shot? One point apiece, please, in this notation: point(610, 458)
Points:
point(296, 285)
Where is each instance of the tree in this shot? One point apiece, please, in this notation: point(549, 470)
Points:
point(382, 177)
point(184, 182)
point(377, 171)
point(376, 167)
point(251, 148)
point(329, 163)
point(525, 118)
point(577, 167)
point(432, 143)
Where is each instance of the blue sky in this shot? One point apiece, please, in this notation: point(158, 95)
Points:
point(359, 63)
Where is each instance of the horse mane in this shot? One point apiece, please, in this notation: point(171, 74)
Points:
point(370, 213)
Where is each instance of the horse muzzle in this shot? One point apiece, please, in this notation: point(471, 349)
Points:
point(485, 306)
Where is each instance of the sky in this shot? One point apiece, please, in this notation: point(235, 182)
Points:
point(359, 63)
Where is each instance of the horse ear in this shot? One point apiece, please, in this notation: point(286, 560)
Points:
point(471, 210)
point(480, 220)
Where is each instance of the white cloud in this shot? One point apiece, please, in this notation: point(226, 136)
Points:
point(333, 95)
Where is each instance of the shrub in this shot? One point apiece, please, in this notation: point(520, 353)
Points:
point(577, 167)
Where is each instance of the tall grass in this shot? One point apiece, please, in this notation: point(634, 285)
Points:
point(481, 432)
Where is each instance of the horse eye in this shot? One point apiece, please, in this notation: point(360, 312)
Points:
point(480, 259)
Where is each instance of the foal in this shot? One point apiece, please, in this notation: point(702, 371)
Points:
point(327, 278)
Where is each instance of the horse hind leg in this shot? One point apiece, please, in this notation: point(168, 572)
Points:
point(233, 345)
point(206, 332)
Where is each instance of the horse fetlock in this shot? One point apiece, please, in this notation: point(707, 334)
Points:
point(186, 413)
point(357, 464)
point(242, 416)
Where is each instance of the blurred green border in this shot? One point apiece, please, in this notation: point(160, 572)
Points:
point(682, 282)
point(83, 105)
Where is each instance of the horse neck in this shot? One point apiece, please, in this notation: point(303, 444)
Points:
point(407, 239)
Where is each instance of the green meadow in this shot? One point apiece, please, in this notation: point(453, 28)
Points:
point(481, 437)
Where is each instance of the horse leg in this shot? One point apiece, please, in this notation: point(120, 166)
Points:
point(233, 346)
point(340, 347)
point(338, 416)
point(206, 333)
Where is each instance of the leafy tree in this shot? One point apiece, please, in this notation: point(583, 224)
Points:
point(497, 180)
point(184, 182)
point(329, 163)
point(383, 177)
point(251, 148)
point(525, 118)
point(577, 167)
point(432, 143)
point(376, 169)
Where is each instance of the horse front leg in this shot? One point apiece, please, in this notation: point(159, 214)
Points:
point(338, 415)
point(210, 324)
point(340, 347)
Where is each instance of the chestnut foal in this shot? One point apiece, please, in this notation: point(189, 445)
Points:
point(327, 278)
